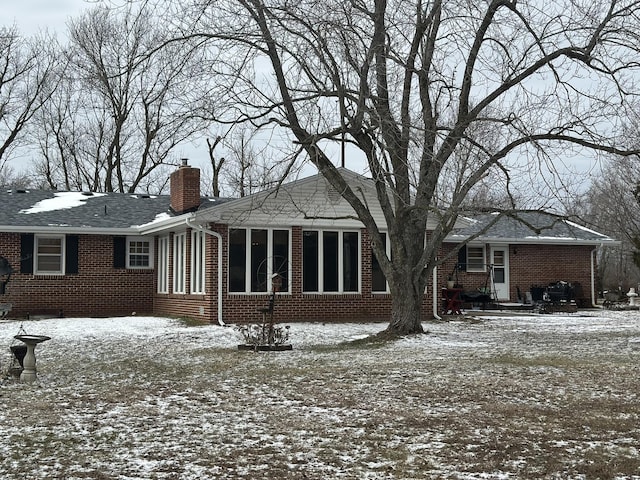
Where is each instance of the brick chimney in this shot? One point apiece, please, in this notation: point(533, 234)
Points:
point(185, 188)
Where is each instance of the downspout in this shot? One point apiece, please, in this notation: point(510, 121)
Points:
point(594, 302)
point(219, 238)
point(435, 293)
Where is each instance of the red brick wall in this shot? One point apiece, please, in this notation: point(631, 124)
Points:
point(97, 290)
point(299, 306)
point(100, 290)
point(199, 307)
point(530, 265)
point(185, 189)
point(539, 265)
point(468, 280)
point(534, 265)
point(292, 306)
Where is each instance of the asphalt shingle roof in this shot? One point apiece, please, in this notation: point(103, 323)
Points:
point(46, 208)
point(37, 209)
point(532, 227)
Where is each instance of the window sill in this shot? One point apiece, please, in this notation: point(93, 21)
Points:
point(332, 294)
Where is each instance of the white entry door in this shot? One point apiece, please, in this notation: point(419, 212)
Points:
point(500, 276)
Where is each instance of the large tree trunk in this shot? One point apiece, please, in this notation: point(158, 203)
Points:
point(406, 305)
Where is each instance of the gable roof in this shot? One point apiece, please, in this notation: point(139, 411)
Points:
point(309, 201)
point(533, 227)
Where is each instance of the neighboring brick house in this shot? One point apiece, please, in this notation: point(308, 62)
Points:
point(83, 254)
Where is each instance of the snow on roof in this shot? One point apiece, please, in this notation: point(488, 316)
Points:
point(143, 195)
point(61, 201)
point(159, 217)
point(530, 226)
point(582, 227)
point(542, 237)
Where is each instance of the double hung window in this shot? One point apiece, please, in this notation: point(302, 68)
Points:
point(475, 258)
point(49, 252)
point(139, 252)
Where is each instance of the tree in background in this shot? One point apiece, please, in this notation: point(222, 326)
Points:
point(124, 105)
point(247, 163)
point(9, 178)
point(28, 78)
point(612, 206)
point(216, 165)
point(413, 86)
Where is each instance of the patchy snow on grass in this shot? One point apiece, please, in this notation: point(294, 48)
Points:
point(495, 397)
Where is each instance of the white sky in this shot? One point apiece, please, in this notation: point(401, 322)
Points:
point(31, 16)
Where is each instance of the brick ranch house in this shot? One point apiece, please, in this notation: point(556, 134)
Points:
point(97, 254)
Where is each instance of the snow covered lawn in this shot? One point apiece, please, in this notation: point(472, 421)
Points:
point(495, 397)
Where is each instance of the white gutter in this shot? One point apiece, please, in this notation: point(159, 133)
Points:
point(435, 294)
point(75, 230)
point(533, 240)
point(219, 253)
point(156, 226)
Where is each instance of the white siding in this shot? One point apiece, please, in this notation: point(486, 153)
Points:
point(309, 202)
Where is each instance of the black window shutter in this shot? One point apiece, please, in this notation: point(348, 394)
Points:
point(26, 253)
point(462, 259)
point(119, 252)
point(71, 255)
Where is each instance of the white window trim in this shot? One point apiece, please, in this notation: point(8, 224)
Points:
point(340, 290)
point(484, 258)
point(147, 240)
point(198, 262)
point(179, 262)
point(163, 264)
point(248, 272)
point(62, 255)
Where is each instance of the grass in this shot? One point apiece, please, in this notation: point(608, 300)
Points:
point(177, 409)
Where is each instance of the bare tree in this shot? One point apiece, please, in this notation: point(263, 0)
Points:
point(414, 81)
point(9, 178)
point(27, 79)
point(216, 165)
point(612, 205)
point(247, 164)
point(125, 105)
point(251, 163)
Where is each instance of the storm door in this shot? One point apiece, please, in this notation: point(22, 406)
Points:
point(500, 272)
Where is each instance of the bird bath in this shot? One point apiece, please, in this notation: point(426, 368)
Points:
point(28, 374)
